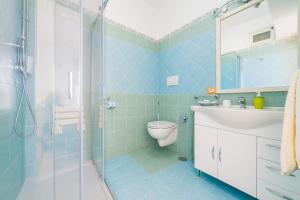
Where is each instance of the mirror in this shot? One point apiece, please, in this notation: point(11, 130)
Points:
point(257, 46)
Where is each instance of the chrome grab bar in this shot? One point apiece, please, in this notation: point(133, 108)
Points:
point(279, 194)
point(70, 85)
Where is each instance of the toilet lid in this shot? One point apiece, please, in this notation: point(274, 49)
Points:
point(161, 124)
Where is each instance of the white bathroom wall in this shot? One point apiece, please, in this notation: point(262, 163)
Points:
point(176, 13)
point(156, 18)
point(135, 14)
point(92, 5)
point(285, 15)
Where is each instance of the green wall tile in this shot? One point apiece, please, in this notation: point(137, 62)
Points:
point(126, 125)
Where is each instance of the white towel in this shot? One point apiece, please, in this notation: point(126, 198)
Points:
point(290, 144)
point(297, 145)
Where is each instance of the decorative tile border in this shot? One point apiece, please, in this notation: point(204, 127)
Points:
point(112, 28)
point(128, 34)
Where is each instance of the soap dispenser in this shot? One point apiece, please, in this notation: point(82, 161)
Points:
point(259, 101)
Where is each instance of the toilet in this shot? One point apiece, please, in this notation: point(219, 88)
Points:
point(165, 132)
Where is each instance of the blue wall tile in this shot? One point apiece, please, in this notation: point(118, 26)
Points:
point(129, 68)
point(191, 57)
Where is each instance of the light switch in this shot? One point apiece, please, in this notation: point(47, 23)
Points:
point(172, 80)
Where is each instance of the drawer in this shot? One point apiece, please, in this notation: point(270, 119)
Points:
point(270, 172)
point(267, 191)
point(268, 149)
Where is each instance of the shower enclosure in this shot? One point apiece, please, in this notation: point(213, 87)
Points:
point(57, 150)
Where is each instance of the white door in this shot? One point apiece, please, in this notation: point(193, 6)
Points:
point(237, 160)
point(205, 139)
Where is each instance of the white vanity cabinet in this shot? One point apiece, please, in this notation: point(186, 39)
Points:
point(205, 151)
point(243, 156)
point(228, 156)
point(237, 160)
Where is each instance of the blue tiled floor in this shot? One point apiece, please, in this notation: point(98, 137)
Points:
point(130, 181)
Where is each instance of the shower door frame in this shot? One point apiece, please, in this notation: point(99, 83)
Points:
point(101, 175)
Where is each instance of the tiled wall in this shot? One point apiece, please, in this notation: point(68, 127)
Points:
point(11, 146)
point(125, 126)
point(174, 107)
point(136, 66)
point(131, 81)
point(190, 53)
point(130, 61)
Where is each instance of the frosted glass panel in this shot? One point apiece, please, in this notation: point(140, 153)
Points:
point(67, 105)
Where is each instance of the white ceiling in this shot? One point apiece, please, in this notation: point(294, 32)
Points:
point(159, 3)
point(157, 18)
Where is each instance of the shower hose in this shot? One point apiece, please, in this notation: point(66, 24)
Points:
point(27, 100)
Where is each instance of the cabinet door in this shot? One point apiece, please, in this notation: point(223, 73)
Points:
point(206, 149)
point(237, 160)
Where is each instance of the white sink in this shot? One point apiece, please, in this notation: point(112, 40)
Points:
point(240, 118)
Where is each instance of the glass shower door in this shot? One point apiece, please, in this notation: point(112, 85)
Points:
point(78, 99)
point(93, 181)
point(95, 81)
point(68, 127)
point(63, 158)
point(92, 72)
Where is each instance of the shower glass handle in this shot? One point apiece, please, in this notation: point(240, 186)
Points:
point(220, 155)
point(70, 85)
point(213, 153)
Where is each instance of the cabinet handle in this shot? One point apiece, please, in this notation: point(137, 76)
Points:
point(70, 85)
point(279, 194)
point(273, 146)
point(220, 155)
point(213, 153)
point(277, 170)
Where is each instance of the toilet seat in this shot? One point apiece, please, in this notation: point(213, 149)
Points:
point(165, 132)
point(161, 125)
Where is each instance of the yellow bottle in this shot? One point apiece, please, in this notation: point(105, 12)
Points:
point(259, 101)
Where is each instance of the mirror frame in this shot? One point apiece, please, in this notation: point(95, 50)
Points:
point(218, 56)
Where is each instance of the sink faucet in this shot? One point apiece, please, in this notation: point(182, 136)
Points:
point(242, 102)
point(217, 97)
